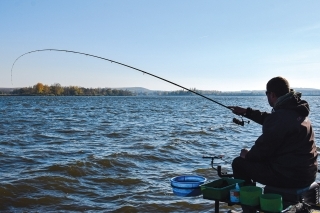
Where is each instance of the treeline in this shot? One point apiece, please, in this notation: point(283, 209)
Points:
point(58, 90)
point(185, 92)
point(180, 92)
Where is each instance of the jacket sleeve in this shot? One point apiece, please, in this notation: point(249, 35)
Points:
point(273, 134)
point(256, 115)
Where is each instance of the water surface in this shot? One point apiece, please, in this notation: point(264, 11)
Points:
point(117, 154)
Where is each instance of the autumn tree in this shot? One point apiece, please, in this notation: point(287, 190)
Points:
point(46, 90)
point(74, 90)
point(38, 88)
point(56, 89)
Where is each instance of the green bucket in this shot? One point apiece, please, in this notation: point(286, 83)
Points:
point(250, 195)
point(271, 203)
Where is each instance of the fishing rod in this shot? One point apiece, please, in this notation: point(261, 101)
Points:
point(112, 61)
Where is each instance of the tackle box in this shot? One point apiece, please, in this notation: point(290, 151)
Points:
point(219, 189)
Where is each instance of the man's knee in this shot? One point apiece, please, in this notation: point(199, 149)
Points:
point(237, 163)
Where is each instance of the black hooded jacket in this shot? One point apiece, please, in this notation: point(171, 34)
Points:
point(287, 141)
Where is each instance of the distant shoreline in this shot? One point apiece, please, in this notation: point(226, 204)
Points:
point(143, 95)
point(140, 91)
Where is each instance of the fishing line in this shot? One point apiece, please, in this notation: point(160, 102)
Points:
point(112, 61)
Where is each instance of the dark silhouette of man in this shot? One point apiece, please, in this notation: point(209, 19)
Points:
point(285, 155)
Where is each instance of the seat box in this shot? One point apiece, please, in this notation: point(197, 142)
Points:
point(219, 189)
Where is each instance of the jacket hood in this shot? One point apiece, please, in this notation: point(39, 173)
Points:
point(292, 101)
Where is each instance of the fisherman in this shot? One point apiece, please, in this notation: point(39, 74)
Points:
point(285, 155)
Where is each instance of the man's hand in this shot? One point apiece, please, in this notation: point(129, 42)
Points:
point(238, 110)
point(243, 153)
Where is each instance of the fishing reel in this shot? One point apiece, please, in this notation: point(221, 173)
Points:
point(237, 121)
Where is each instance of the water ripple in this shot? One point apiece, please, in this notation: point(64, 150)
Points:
point(116, 154)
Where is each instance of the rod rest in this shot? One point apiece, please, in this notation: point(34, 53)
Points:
point(308, 195)
point(223, 174)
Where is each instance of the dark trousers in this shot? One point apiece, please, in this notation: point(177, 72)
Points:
point(262, 173)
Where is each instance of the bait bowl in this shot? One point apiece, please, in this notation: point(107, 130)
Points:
point(188, 185)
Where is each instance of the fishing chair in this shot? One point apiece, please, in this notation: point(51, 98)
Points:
point(306, 198)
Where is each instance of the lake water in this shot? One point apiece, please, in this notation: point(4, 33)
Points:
point(117, 154)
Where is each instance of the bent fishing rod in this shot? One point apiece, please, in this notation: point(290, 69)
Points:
point(144, 72)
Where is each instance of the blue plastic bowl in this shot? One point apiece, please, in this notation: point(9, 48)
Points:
point(187, 186)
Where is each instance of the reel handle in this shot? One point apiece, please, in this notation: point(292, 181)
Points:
point(241, 123)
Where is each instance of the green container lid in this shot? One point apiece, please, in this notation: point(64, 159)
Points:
point(271, 202)
point(250, 195)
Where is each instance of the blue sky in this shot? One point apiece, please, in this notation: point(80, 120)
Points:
point(210, 45)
